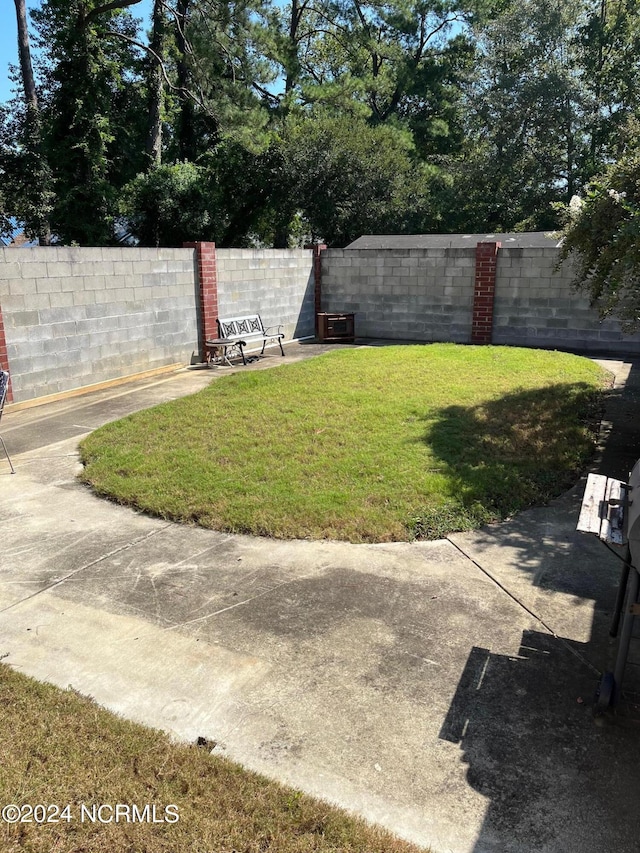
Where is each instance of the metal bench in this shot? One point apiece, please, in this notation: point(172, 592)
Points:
point(611, 510)
point(235, 333)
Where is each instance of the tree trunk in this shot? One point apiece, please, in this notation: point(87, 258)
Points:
point(292, 59)
point(31, 100)
point(24, 52)
point(186, 123)
point(156, 88)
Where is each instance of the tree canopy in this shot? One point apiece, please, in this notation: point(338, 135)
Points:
point(256, 122)
point(602, 238)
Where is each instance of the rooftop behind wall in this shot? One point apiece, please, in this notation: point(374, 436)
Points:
point(512, 240)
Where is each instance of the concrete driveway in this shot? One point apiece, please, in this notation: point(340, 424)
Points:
point(441, 689)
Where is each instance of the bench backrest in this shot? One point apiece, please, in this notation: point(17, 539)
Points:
point(238, 327)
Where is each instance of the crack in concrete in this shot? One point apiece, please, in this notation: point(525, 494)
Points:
point(51, 537)
point(77, 571)
point(184, 624)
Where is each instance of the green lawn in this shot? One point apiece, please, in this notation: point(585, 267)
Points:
point(370, 444)
point(59, 749)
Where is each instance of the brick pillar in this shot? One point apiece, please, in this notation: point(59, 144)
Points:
point(207, 293)
point(318, 248)
point(4, 357)
point(484, 292)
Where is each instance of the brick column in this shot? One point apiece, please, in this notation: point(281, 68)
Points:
point(318, 249)
point(207, 293)
point(4, 357)
point(484, 292)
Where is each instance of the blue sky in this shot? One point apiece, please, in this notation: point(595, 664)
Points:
point(9, 38)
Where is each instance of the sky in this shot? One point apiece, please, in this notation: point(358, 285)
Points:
point(9, 37)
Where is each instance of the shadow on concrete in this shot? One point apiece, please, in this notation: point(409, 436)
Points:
point(533, 750)
point(620, 433)
point(504, 452)
point(523, 721)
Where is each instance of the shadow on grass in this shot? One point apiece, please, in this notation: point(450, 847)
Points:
point(521, 449)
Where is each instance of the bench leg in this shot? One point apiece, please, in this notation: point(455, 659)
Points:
point(625, 634)
point(6, 453)
point(264, 343)
point(622, 591)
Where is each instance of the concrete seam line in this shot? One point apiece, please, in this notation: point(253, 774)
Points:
point(87, 566)
point(521, 604)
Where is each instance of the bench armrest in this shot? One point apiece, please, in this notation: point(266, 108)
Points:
point(269, 329)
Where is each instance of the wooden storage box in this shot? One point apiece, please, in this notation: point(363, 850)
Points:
point(336, 328)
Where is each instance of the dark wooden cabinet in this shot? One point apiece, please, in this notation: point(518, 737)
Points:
point(336, 328)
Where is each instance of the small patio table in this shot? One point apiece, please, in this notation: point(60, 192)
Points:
point(223, 345)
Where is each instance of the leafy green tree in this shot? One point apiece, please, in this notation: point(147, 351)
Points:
point(525, 117)
point(351, 179)
point(229, 197)
point(23, 160)
point(219, 77)
point(26, 176)
point(609, 43)
point(256, 193)
point(169, 205)
point(268, 121)
point(6, 226)
point(553, 85)
point(602, 238)
point(399, 61)
point(92, 129)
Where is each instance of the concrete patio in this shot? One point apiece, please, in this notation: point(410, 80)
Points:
point(442, 689)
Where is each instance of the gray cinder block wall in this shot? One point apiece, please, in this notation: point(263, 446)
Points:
point(79, 316)
point(537, 306)
point(426, 294)
point(277, 284)
point(72, 317)
point(402, 294)
point(75, 317)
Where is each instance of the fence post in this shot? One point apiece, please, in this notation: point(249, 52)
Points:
point(4, 357)
point(484, 292)
point(318, 248)
point(207, 293)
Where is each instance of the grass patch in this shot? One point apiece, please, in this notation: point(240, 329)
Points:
point(60, 748)
point(364, 445)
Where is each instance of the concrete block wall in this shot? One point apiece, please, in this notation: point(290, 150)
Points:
point(537, 306)
point(277, 284)
point(402, 294)
point(75, 317)
point(72, 317)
